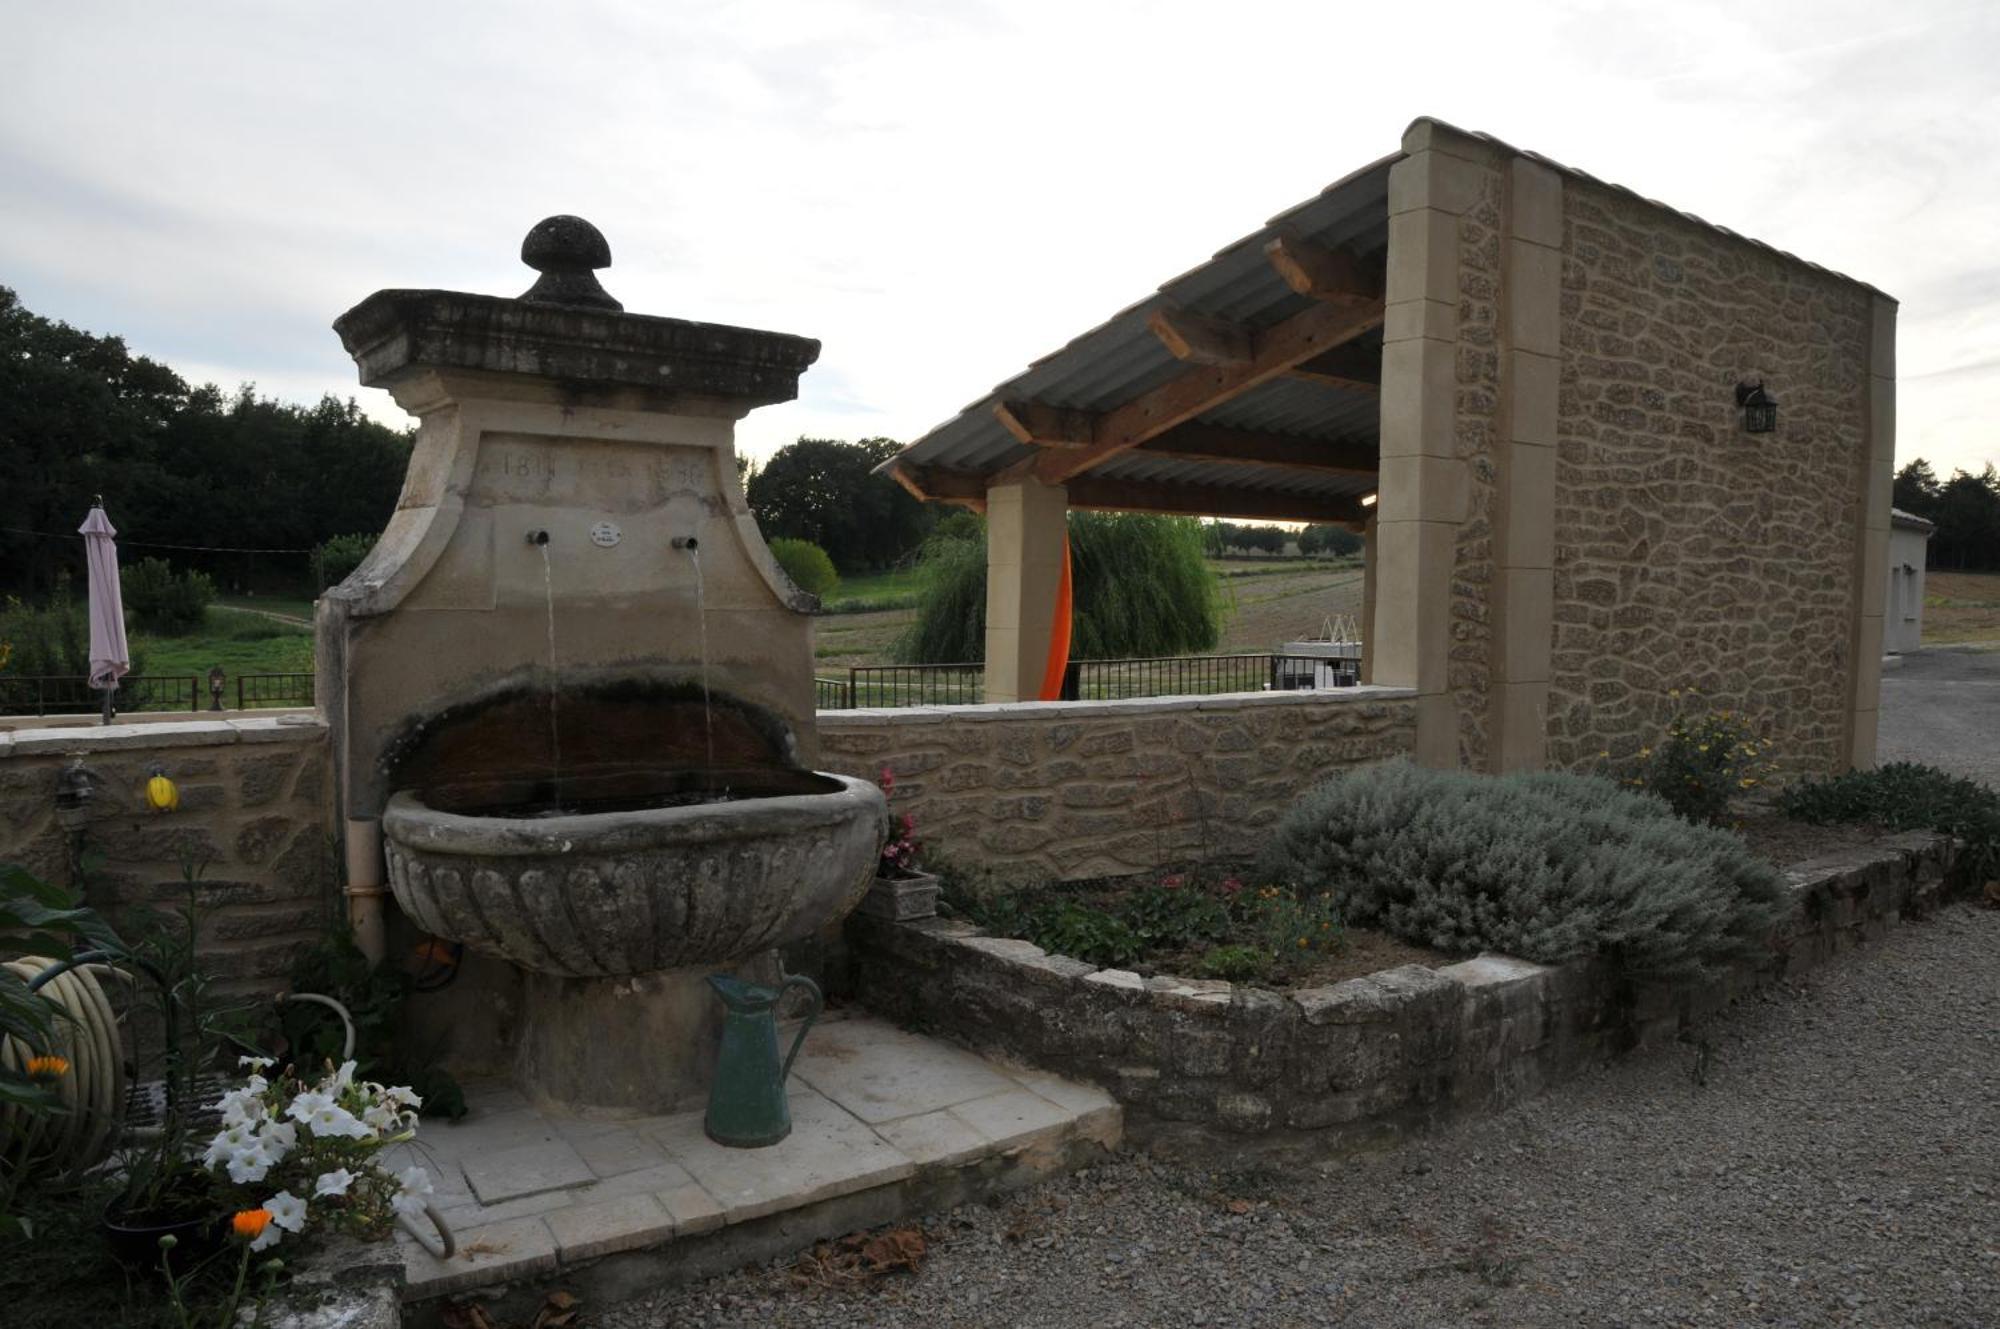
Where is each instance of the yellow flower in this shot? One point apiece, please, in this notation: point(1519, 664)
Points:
point(48, 1068)
point(1645, 752)
point(250, 1223)
point(1746, 782)
point(1302, 943)
point(161, 795)
point(1673, 692)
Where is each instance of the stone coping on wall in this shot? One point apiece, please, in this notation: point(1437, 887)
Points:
point(1363, 1058)
point(77, 720)
point(85, 740)
point(1126, 707)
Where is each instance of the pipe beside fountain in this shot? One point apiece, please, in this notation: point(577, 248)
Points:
point(575, 686)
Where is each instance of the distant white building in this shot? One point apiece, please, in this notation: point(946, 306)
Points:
point(1903, 606)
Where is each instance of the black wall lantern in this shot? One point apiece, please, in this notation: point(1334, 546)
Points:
point(1760, 412)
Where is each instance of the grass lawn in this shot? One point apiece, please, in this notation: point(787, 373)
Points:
point(241, 643)
point(1961, 607)
point(876, 591)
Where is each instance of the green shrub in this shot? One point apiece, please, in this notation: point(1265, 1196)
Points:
point(335, 560)
point(806, 564)
point(51, 639)
point(1237, 964)
point(1702, 761)
point(1907, 796)
point(1548, 866)
point(161, 600)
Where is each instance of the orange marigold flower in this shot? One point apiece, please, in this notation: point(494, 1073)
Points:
point(50, 1067)
point(250, 1223)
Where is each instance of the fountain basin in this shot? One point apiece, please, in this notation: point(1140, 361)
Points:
point(613, 893)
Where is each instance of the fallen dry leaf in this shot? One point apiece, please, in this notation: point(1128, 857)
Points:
point(1239, 1206)
point(465, 1315)
point(559, 1309)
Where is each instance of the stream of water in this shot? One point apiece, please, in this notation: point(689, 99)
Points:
point(701, 621)
point(555, 727)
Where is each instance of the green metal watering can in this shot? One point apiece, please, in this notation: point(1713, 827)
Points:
point(746, 1106)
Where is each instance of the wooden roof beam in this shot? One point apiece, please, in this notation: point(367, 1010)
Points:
point(1252, 447)
point(1322, 273)
point(1043, 426)
point(1353, 368)
point(1201, 340)
point(1273, 351)
point(933, 485)
point(1103, 493)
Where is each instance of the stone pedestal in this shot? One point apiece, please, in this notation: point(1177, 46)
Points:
point(639, 1045)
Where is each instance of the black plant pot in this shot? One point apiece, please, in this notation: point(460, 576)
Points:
point(134, 1239)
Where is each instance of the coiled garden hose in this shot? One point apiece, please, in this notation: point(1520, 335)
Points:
point(92, 1090)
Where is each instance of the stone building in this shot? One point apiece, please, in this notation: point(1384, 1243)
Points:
point(1903, 611)
point(1545, 402)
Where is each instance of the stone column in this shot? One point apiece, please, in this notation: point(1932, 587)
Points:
point(1026, 527)
point(1423, 482)
point(1871, 573)
point(1523, 595)
point(1370, 562)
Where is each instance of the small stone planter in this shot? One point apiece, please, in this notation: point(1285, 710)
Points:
point(901, 899)
point(1363, 1058)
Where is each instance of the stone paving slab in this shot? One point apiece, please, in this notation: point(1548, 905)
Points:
point(872, 1107)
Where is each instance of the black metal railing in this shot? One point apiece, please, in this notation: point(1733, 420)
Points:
point(915, 685)
point(253, 690)
point(1092, 680)
point(71, 694)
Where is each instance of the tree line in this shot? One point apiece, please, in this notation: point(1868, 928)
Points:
point(1965, 509)
point(177, 465)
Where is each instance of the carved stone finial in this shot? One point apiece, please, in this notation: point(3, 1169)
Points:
point(567, 251)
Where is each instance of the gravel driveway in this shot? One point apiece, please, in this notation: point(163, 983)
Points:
point(1942, 706)
point(1841, 1166)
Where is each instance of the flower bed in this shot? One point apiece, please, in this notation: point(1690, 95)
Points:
point(1371, 1055)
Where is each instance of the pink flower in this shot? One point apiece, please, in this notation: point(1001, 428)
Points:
point(1232, 885)
point(888, 781)
point(1172, 881)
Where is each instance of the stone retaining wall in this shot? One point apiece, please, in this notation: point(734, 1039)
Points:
point(1071, 790)
point(1361, 1058)
point(253, 809)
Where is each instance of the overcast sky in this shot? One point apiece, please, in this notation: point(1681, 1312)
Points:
point(939, 192)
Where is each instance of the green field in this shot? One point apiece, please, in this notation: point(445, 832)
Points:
point(241, 643)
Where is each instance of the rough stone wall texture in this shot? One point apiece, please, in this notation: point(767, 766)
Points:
point(1073, 790)
point(253, 809)
point(1476, 418)
point(1363, 1058)
point(1687, 551)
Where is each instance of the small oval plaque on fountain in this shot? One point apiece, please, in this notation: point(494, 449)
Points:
point(606, 534)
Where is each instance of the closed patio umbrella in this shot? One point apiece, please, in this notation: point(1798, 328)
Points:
point(110, 657)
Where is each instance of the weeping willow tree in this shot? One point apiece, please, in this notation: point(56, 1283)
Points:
point(1140, 586)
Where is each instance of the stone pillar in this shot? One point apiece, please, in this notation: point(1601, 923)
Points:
point(1369, 563)
point(1026, 526)
point(1423, 481)
point(1523, 594)
point(1871, 572)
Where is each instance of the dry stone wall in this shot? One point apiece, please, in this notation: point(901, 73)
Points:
point(1070, 790)
point(1688, 552)
point(254, 815)
point(1367, 1057)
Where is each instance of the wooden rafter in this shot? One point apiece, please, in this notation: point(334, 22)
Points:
point(1043, 426)
point(1323, 274)
point(1274, 350)
point(1354, 368)
point(1252, 447)
point(1100, 493)
point(1201, 340)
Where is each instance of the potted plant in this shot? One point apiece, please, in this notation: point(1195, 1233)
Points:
point(902, 889)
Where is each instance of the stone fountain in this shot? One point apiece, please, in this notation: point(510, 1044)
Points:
point(573, 689)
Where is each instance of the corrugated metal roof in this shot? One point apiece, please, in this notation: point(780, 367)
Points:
point(1121, 358)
